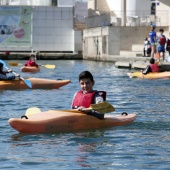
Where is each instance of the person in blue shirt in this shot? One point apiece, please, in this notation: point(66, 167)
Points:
point(152, 35)
point(3, 74)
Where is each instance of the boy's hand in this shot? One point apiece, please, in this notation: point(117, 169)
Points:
point(17, 75)
point(80, 108)
point(9, 70)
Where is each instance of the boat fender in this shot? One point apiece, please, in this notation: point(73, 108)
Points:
point(124, 114)
point(24, 117)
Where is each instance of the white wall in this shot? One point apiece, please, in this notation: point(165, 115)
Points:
point(62, 3)
point(91, 4)
point(133, 7)
point(30, 2)
point(53, 29)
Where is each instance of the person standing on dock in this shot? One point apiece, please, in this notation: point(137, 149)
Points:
point(161, 44)
point(152, 35)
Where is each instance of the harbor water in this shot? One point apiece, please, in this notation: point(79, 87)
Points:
point(143, 144)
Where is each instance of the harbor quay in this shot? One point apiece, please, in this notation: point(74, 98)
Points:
point(129, 62)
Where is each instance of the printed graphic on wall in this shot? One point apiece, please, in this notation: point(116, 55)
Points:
point(15, 26)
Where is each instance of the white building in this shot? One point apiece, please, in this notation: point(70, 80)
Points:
point(118, 28)
point(51, 24)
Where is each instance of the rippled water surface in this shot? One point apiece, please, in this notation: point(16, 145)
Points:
point(142, 145)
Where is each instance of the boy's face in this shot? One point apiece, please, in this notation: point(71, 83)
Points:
point(86, 85)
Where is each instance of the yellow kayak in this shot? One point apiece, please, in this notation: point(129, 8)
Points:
point(158, 75)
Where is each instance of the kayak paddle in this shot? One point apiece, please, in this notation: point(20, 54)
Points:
point(27, 82)
point(32, 111)
point(12, 63)
point(49, 66)
point(102, 108)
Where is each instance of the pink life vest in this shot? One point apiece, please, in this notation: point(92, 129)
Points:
point(154, 67)
point(86, 99)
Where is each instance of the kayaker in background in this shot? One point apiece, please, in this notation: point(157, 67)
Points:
point(87, 96)
point(3, 74)
point(152, 67)
point(31, 62)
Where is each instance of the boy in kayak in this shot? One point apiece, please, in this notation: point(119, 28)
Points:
point(152, 67)
point(3, 74)
point(31, 62)
point(87, 96)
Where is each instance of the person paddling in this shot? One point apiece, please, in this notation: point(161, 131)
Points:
point(152, 67)
point(31, 62)
point(87, 96)
point(4, 76)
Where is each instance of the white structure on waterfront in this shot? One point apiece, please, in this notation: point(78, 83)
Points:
point(118, 27)
point(52, 26)
point(136, 12)
point(61, 3)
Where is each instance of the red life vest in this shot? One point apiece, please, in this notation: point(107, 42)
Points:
point(162, 40)
point(154, 67)
point(86, 99)
point(30, 63)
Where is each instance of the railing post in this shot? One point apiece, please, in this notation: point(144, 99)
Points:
point(123, 23)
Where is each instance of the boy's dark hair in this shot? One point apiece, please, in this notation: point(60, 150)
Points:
point(85, 74)
point(152, 60)
point(161, 30)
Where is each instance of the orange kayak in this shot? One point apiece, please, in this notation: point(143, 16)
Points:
point(30, 69)
point(37, 83)
point(159, 75)
point(55, 121)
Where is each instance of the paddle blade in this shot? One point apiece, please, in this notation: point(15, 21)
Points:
point(13, 63)
point(32, 111)
point(49, 66)
point(103, 107)
point(27, 82)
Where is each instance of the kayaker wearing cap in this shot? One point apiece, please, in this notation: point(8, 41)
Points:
point(3, 74)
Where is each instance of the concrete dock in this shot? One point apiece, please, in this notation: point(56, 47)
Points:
point(129, 62)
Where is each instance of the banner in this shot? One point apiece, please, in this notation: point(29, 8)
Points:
point(15, 26)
